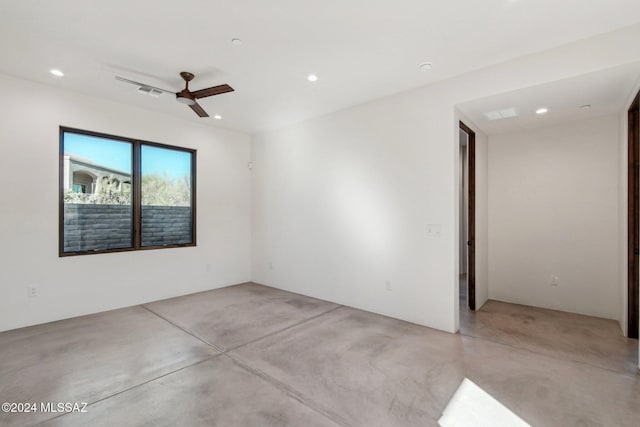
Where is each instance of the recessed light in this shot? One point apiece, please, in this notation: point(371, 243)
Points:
point(56, 72)
point(312, 78)
point(236, 41)
point(541, 110)
point(217, 117)
point(585, 106)
point(425, 66)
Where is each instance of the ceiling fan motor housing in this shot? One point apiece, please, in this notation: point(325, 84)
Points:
point(185, 97)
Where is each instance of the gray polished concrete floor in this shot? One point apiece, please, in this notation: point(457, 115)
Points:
point(249, 355)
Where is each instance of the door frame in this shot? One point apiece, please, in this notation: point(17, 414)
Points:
point(633, 211)
point(471, 218)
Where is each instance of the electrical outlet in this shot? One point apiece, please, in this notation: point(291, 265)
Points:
point(555, 281)
point(434, 230)
point(387, 285)
point(270, 265)
point(32, 291)
point(208, 268)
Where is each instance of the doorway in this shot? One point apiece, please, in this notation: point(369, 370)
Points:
point(633, 246)
point(467, 214)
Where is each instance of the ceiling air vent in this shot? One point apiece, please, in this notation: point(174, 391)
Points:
point(501, 114)
point(145, 90)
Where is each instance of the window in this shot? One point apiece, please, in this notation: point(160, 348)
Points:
point(120, 194)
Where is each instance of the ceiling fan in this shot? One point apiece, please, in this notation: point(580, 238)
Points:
point(185, 96)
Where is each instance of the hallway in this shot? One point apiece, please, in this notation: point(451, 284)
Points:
point(585, 339)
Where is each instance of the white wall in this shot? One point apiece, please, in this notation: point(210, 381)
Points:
point(482, 221)
point(30, 116)
point(341, 203)
point(553, 210)
point(622, 223)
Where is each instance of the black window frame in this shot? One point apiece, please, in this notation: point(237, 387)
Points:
point(136, 186)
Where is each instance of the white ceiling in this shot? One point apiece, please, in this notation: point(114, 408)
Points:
point(607, 92)
point(360, 49)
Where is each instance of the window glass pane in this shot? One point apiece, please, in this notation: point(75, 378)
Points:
point(166, 196)
point(98, 212)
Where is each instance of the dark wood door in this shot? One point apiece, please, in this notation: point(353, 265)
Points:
point(633, 246)
point(471, 262)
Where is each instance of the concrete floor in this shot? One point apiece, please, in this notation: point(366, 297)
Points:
point(250, 355)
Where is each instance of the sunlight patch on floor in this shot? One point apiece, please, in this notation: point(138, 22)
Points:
point(472, 406)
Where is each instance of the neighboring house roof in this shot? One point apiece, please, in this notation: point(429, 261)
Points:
point(88, 163)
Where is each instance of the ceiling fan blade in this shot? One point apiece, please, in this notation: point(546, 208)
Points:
point(216, 90)
point(122, 79)
point(199, 110)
